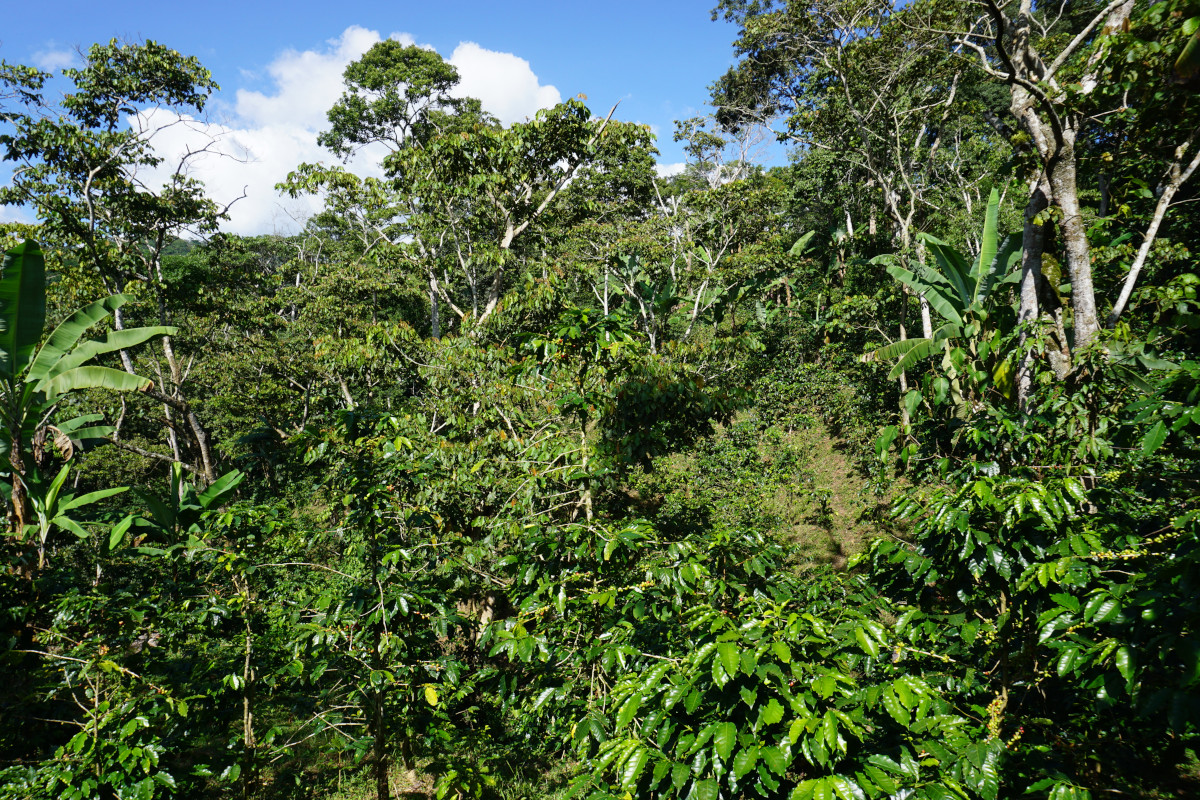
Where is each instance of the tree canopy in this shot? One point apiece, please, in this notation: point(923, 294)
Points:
point(524, 471)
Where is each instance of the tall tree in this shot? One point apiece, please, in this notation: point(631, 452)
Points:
point(1063, 75)
point(462, 192)
point(87, 167)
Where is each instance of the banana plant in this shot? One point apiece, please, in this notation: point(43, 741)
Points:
point(959, 291)
point(51, 510)
point(176, 518)
point(34, 379)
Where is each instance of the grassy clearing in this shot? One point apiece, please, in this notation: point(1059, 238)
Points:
point(798, 484)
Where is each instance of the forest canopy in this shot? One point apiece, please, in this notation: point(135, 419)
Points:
point(525, 471)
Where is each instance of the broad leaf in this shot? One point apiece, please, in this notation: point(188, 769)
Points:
point(628, 709)
point(924, 349)
point(1001, 270)
point(71, 525)
point(724, 737)
point(115, 340)
point(75, 424)
point(1154, 438)
point(892, 351)
point(93, 377)
point(90, 497)
point(987, 244)
point(67, 334)
point(220, 489)
point(953, 267)
point(801, 244)
point(941, 299)
point(117, 534)
point(22, 305)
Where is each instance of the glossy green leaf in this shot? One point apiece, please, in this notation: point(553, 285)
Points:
point(1124, 660)
point(1154, 438)
point(724, 737)
point(775, 759)
point(704, 790)
point(730, 657)
point(744, 761)
point(633, 767)
point(846, 789)
point(22, 306)
point(772, 712)
point(867, 642)
point(629, 709)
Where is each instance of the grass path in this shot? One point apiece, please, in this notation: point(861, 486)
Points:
point(838, 507)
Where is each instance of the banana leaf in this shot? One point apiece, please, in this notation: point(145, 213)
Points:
point(801, 245)
point(923, 349)
point(93, 377)
point(69, 330)
point(985, 264)
point(115, 340)
point(69, 503)
point(954, 268)
point(908, 351)
point(1187, 66)
point(71, 525)
point(939, 299)
point(22, 306)
point(221, 488)
point(1001, 271)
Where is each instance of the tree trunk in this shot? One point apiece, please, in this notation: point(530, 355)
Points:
point(1033, 240)
point(383, 787)
point(586, 493)
point(1074, 239)
point(434, 322)
point(1176, 175)
point(20, 512)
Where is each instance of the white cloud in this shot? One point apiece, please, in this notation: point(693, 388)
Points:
point(504, 83)
point(667, 170)
point(266, 134)
point(240, 160)
point(17, 214)
point(306, 83)
point(53, 58)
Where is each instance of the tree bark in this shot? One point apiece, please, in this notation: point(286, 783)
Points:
point(926, 319)
point(1032, 244)
point(1073, 234)
point(1177, 174)
point(434, 321)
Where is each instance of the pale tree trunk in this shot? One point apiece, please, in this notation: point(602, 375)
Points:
point(1073, 234)
point(1032, 245)
point(434, 321)
point(585, 494)
point(904, 420)
point(926, 319)
point(173, 400)
point(1052, 128)
point(1176, 175)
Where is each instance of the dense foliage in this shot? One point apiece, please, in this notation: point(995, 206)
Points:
point(523, 472)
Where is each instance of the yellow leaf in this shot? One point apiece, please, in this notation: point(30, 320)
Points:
point(1003, 379)
point(431, 695)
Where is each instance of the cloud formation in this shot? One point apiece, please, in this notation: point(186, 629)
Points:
point(53, 58)
point(253, 144)
point(504, 83)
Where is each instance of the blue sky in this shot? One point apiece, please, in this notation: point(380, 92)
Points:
point(278, 63)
